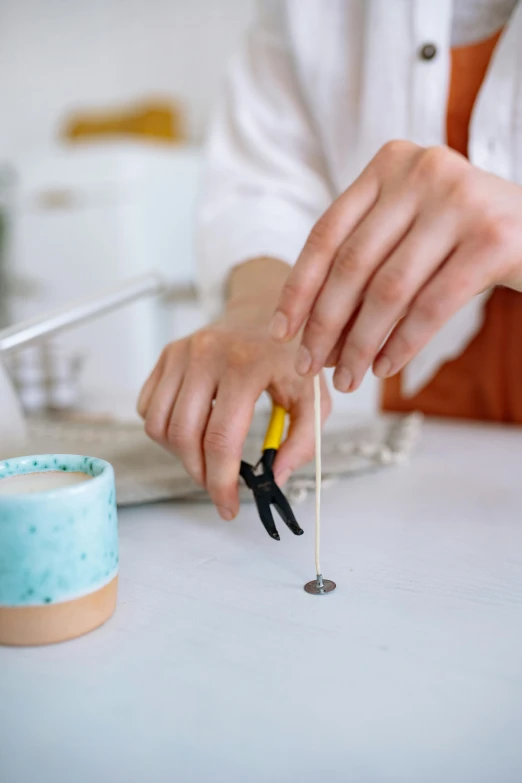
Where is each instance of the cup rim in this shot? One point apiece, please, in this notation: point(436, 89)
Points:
point(53, 463)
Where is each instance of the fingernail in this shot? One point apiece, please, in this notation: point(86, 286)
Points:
point(303, 361)
point(382, 367)
point(225, 513)
point(282, 478)
point(342, 379)
point(279, 326)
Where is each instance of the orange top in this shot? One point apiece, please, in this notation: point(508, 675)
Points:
point(485, 381)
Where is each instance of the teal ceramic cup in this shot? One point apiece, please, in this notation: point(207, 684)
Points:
point(58, 547)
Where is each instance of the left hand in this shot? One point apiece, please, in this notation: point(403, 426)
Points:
point(411, 241)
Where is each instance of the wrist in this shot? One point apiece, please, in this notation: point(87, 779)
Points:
point(254, 287)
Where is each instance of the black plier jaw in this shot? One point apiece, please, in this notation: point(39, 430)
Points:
point(267, 493)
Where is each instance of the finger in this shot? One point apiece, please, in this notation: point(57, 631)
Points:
point(190, 416)
point(411, 265)
point(310, 271)
point(299, 446)
point(163, 398)
point(355, 263)
point(150, 385)
point(224, 437)
point(391, 164)
point(335, 353)
point(459, 279)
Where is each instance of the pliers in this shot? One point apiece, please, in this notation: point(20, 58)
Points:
point(266, 492)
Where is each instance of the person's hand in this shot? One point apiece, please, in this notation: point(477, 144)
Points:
point(199, 401)
point(416, 236)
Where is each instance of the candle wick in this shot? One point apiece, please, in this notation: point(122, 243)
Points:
point(318, 474)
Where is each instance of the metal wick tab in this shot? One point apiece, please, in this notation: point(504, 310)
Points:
point(320, 586)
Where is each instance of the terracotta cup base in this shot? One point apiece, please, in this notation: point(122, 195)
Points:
point(34, 625)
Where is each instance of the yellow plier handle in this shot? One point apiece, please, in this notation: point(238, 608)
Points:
point(260, 479)
point(274, 433)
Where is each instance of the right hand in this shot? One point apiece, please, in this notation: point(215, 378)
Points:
point(199, 400)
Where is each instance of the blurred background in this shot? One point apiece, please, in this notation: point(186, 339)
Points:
point(105, 106)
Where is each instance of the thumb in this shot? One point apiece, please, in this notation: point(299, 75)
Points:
point(299, 446)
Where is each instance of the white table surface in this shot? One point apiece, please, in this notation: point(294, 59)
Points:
point(218, 666)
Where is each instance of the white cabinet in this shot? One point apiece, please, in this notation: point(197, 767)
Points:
point(89, 217)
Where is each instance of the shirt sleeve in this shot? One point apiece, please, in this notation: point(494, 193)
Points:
point(265, 181)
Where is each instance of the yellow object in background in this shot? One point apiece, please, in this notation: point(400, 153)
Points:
point(274, 433)
point(152, 119)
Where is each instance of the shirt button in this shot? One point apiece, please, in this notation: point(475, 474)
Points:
point(428, 51)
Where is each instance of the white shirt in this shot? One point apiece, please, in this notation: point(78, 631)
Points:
point(319, 87)
point(476, 20)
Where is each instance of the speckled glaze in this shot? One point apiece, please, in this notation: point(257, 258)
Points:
point(61, 544)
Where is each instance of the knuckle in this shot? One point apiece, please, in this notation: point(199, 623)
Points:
point(319, 237)
point(179, 436)
point(218, 443)
point(463, 193)
point(320, 323)
point(241, 354)
point(292, 293)
point(203, 344)
point(395, 147)
point(432, 163)
point(498, 231)
point(405, 346)
point(388, 287)
point(174, 352)
point(349, 261)
point(430, 308)
point(155, 429)
point(291, 289)
point(392, 155)
point(359, 353)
